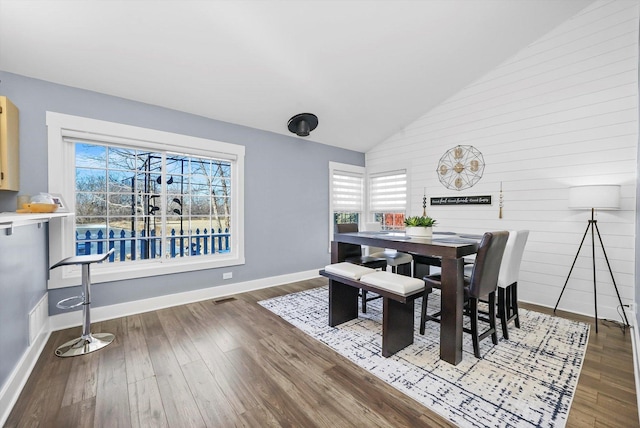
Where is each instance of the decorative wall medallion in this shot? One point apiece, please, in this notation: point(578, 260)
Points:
point(460, 167)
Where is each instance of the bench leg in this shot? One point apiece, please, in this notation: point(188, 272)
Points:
point(397, 326)
point(343, 303)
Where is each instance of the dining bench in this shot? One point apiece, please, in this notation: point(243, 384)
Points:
point(398, 295)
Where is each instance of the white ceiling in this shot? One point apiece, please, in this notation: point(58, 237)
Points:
point(365, 68)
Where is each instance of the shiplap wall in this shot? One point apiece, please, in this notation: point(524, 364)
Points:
point(561, 112)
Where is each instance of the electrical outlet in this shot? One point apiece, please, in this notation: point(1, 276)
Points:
point(227, 275)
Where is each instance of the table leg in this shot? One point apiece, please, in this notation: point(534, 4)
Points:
point(452, 309)
point(336, 257)
point(397, 326)
point(343, 303)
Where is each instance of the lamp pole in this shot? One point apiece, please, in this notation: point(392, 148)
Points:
point(593, 226)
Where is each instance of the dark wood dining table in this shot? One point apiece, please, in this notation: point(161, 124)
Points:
point(448, 246)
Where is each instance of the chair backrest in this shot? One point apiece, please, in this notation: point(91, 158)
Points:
point(373, 227)
point(484, 277)
point(348, 250)
point(510, 267)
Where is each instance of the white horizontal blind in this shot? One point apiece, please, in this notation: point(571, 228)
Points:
point(388, 191)
point(348, 191)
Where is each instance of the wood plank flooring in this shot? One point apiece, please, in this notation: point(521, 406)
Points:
point(233, 363)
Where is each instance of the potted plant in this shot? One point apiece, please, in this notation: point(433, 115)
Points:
point(419, 226)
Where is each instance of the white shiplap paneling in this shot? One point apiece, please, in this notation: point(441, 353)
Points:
point(561, 112)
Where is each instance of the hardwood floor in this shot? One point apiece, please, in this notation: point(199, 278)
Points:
point(233, 363)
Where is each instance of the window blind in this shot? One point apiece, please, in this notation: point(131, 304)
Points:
point(347, 191)
point(388, 191)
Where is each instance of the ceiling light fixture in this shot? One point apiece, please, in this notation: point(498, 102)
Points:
point(302, 124)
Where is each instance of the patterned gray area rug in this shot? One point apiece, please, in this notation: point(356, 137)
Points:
point(526, 381)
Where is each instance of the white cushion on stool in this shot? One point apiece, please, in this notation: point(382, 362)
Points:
point(399, 284)
point(348, 270)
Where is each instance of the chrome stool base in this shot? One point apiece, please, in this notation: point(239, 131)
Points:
point(85, 344)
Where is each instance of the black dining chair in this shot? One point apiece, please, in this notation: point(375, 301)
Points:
point(353, 254)
point(481, 284)
point(423, 265)
point(507, 304)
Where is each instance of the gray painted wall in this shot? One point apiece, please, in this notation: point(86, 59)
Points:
point(286, 196)
point(23, 276)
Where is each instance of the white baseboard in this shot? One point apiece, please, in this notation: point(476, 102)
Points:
point(18, 378)
point(603, 313)
point(103, 313)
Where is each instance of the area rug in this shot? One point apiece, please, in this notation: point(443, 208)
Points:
point(526, 381)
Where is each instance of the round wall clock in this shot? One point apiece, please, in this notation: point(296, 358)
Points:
point(460, 167)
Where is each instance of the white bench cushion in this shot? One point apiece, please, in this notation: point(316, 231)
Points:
point(399, 284)
point(348, 270)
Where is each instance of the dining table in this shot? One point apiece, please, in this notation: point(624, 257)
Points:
point(450, 249)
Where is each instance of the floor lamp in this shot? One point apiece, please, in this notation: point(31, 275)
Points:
point(604, 197)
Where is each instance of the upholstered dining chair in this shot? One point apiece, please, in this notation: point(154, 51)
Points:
point(353, 254)
point(400, 262)
point(508, 279)
point(481, 284)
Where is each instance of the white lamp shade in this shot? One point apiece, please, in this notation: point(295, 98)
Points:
point(602, 197)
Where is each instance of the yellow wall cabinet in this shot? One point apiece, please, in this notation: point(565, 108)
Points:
point(9, 150)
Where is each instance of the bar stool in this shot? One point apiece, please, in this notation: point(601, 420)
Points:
point(87, 342)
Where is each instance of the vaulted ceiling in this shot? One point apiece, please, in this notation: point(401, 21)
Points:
point(366, 68)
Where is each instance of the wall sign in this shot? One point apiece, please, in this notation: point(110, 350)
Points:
point(461, 200)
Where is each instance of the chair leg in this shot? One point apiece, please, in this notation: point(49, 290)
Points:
point(492, 317)
point(502, 312)
point(473, 314)
point(423, 312)
point(364, 301)
point(404, 269)
point(514, 303)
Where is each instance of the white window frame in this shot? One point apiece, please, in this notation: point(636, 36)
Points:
point(354, 169)
point(61, 163)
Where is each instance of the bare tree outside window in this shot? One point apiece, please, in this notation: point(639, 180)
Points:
point(125, 196)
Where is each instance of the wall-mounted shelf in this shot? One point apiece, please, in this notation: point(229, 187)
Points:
point(9, 220)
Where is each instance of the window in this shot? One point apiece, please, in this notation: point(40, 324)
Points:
point(165, 202)
point(346, 194)
point(149, 205)
point(388, 198)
